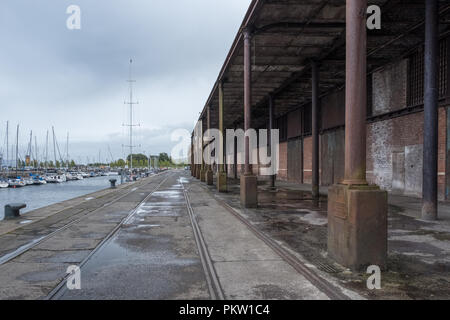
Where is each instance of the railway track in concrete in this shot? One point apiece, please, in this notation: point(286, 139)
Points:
point(60, 289)
point(214, 287)
point(213, 284)
point(34, 243)
point(329, 289)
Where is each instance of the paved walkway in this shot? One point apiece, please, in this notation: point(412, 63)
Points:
point(419, 251)
point(165, 237)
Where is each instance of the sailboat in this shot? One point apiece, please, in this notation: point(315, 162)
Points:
point(4, 184)
point(16, 183)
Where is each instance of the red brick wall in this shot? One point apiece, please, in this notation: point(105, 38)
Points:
point(442, 151)
point(282, 173)
point(307, 160)
point(403, 135)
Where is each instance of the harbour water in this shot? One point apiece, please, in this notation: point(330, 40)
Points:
point(37, 197)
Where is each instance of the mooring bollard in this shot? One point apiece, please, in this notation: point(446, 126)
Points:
point(113, 183)
point(12, 210)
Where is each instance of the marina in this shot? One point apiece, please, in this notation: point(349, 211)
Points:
point(37, 197)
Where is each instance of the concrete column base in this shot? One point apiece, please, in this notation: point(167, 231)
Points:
point(222, 182)
point(209, 177)
point(249, 191)
point(357, 226)
point(203, 175)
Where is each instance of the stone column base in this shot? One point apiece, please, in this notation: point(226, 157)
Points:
point(222, 182)
point(357, 226)
point(249, 191)
point(197, 172)
point(203, 175)
point(209, 177)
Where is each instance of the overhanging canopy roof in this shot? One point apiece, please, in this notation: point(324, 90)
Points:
point(289, 33)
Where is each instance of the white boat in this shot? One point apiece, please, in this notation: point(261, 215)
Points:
point(39, 181)
point(16, 183)
point(70, 177)
point(79, 176)
point(4, 184)
point(50, 179)
point(29, 182)
point(61, 178)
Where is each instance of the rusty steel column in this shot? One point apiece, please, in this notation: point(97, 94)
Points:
point(203, 167)
point(247, 96)
point(357, 211)
point(271, 127)
point(315, 129)
point(249, 183)
point(221, 138)
point(430, 139)
point(221, 174)
point(209, 173)
point(192, 155)
point(356, 93)
point(235, 158)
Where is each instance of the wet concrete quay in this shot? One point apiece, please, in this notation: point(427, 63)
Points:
point(172, 237)
point(163, 237)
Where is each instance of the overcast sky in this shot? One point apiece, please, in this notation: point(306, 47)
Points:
point(75, 80)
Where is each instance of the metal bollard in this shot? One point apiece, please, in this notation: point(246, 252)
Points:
point(12, 210)
point(113, 183)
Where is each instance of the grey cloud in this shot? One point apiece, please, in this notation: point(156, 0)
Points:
point(76, 80)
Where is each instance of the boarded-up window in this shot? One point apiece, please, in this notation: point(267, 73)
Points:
point(416, 74)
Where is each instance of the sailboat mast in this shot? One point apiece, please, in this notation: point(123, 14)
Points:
point(7, 146)
point(17, 150)
point(46, 152)
point(131, 118)
point(131, 124)
point(36, 153)
point(54, 144)
point(67, 151)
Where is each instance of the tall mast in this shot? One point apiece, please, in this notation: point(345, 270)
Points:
point(46, 152)
point(7, 146)
point(36, 152)
point(54, 144)
point(29, 151)
point(17, 149)
point(131, 124)
point(67, 150)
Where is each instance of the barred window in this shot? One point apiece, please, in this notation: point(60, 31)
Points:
point(415, 78)
point(416, 74)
